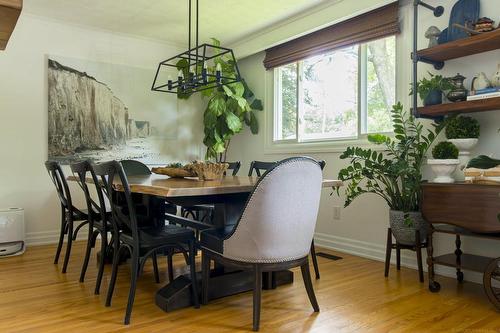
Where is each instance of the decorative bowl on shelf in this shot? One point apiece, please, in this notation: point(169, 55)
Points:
point(209, 170)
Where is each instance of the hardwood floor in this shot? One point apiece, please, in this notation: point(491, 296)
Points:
point(353, 295)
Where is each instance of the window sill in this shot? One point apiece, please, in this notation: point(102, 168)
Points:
point(318, 147)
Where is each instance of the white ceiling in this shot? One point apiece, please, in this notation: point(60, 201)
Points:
point(166, 20)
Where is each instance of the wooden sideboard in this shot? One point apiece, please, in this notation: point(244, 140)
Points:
point(463, 209)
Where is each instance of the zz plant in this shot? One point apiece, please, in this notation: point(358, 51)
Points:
point(394, 174)
point(229, 108)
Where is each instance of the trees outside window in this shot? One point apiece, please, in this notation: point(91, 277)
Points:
point(336, 95)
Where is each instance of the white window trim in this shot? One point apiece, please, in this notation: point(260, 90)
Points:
point(334, 145)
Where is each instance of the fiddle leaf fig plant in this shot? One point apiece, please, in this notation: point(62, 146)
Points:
point(230, 107)
point(394, 174)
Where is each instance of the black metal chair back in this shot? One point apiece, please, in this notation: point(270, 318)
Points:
point(123, 214)
point(81, 170)
point(260, 167)
point(59, 180)
point(135, 168)
point(235, 166)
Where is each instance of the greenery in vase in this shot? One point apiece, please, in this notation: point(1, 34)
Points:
point(436, 82)
point(394, 174)
point(462, 127)
point(445, 151)
point(229, 108)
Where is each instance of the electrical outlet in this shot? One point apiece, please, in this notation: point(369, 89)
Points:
point(336, 213)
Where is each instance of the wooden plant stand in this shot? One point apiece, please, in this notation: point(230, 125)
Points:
point(397, 246)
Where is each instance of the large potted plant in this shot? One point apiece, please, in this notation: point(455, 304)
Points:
point(393, 174)
point(229, 108)
point(431, 90)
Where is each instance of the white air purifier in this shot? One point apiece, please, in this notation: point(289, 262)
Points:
point(11, 232)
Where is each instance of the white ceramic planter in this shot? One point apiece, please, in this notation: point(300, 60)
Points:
point(465, 146)
point(443, 169)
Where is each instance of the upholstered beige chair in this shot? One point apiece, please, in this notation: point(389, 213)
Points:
point(275, 230)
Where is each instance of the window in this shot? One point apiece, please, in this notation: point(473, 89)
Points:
point(337, 95)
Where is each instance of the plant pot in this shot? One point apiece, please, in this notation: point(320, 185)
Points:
point(405, 234)
point(465, 146)
point(443, 169)
point(433, 98)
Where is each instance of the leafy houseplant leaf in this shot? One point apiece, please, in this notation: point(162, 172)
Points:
point(257, 105)
point(254, 124)
point(233, 122)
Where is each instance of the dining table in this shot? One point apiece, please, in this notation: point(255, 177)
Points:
point(228, 196)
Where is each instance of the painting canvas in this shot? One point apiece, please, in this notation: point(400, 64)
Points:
point(102, 111)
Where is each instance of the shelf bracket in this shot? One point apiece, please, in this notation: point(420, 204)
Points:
point(437, 64)
point(437, 11)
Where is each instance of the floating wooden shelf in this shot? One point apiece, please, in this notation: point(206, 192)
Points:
point(488, 104)
point(9, 13)
point(484, 42)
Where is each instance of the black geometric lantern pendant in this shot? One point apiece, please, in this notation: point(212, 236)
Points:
point(199, 68)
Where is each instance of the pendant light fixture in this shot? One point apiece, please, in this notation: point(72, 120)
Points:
point(199, 68)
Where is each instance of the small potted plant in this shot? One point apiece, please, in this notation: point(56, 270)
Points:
point(463, 132)
point(444, 162)
point(431, 90)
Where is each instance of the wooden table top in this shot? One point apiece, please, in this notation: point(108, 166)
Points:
point(163, 186)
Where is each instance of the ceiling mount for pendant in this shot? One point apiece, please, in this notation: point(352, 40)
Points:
point(199, 68)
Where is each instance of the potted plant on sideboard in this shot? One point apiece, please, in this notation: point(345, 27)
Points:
point(444, 162)
point(431, 90)
point(394, 174)
point(463, 132)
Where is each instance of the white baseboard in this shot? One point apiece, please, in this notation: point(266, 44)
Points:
point(50, 237)
point(377, 252)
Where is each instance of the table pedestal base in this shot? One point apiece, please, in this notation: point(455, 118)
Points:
point(177, 294)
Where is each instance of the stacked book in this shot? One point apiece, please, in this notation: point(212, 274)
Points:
point(484, 93)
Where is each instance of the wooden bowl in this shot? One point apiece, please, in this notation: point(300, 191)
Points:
point(174, 172)
point(209, 171)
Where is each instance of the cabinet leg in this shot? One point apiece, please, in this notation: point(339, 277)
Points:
point(458, 253)
point(418, 249)
point(433, 285)
point(388, 251)
point(398, 257)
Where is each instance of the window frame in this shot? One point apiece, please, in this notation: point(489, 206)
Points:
point(362, 104)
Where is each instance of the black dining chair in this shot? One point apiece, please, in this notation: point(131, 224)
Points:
point(137, 168)
point(274, 233)
point(322, 164)
point(69, 213)
point(204, 213)
point(140, 242)
point(260, 167)
point(99, 219)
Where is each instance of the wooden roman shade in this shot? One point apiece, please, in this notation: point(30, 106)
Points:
point(378, 23)
point(9, 13)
